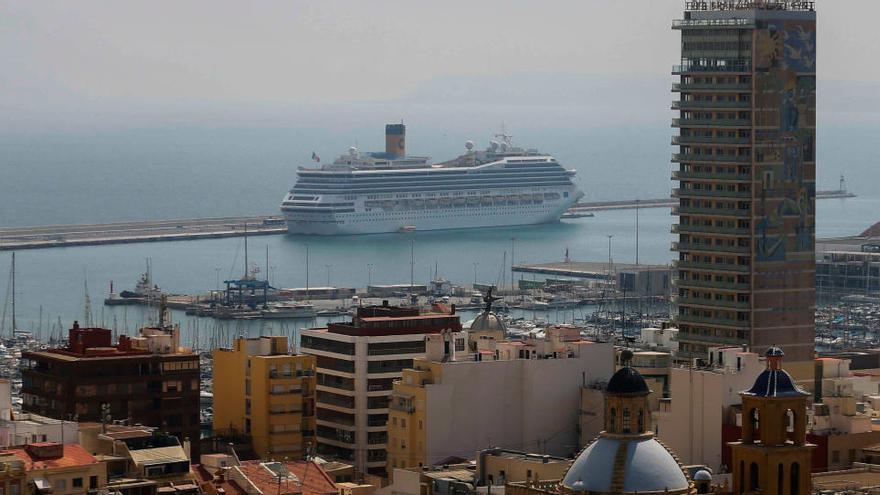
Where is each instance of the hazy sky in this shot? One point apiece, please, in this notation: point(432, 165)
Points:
point(95, 53)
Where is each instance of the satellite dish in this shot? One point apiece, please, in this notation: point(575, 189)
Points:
point(353, 151)
point(469, 145)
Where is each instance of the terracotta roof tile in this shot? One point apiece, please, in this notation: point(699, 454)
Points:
point(315, 480)
point(74, 455)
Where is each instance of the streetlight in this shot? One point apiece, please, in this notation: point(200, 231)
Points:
point(369, 274)
point(475, 273)
point(610, 265)
point(217, 276)
point(328, 274)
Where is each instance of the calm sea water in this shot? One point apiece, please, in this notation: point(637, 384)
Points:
point(77, 177)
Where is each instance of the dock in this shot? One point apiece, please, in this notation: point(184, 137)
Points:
point(148, 231)
point(15, 238)
point(585, 269)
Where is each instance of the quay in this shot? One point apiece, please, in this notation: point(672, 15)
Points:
point(631, 204)
point(13, 238)
point(127, 232)
point(586, 269)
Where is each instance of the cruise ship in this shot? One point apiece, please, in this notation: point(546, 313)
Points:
point(380, 192)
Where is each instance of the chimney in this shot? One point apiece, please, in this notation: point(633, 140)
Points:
point(395, 140)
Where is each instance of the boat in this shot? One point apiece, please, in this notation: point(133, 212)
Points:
point(390, 191)
point(289, 310)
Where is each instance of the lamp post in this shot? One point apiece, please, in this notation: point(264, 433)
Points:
point(369, 274)
point(475, 273)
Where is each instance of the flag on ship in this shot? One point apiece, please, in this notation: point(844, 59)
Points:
point(316, 157)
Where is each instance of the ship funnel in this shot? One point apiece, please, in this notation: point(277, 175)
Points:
point(395, 139)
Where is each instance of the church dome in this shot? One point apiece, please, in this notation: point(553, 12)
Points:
point(775, 383)
point(627, 381)
point(625, 465)
point(488, 321)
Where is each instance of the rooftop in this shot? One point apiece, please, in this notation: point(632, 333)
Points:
point(72, 455)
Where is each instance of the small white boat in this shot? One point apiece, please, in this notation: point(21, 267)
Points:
point(289, 310)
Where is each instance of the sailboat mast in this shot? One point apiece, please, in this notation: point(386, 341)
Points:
point(14, 327)
point(245, 250)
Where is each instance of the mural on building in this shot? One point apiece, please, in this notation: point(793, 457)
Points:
point(785, 112)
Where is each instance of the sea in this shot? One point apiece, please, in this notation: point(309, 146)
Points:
point(195, 169)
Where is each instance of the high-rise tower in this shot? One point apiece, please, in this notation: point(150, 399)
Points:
point(746, 172)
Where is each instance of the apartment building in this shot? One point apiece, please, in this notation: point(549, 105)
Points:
point(266, 394)
point(453, 402)
point(148, 379)
point(746, 172)
point(356, 365)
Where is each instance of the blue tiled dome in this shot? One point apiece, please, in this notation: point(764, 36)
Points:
point(775, 383)
point(627, 381)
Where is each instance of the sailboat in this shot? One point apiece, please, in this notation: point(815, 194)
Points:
point(16, 333)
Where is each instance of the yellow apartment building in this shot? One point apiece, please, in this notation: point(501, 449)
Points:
point(265, 393)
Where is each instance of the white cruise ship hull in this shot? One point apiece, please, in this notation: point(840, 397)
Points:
point(425, 220)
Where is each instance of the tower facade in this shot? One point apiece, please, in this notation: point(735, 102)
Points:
point(773, 456)
point(746, 175)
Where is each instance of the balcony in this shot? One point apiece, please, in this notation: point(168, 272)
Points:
point(712, 87)
point(694, 157)
point(681, 175)
point(711, 284)
point(714, 267)
point(709, 320)
point(679, 140)
point(682, 192)
point(714, 212)
point(701, 229)
point(691, 301)
point(695, 122)
point(408, 408)
point(712, 248)
point(704, 104)
point(723, 66)
point(712, 23)
point(692, 337)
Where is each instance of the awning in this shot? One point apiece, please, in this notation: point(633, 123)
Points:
point(43, 485)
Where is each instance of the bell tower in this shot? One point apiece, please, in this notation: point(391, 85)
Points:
point(773, 456)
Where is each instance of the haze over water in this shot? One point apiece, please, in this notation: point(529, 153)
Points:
point(104, 135)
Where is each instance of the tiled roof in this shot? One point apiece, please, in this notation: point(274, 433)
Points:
point(315, 480)
point(74, 455)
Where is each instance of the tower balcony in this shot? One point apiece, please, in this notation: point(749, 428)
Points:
point(697, 158)
point(711, 284)
point(688, 105)
point(681, 192)
point(702, 122)
point(705, 229)
point(711, 87)
point(713, 320)
point(711, 212)
point(710, 303)
point(717, 66)
point(699, 338)
point(718, 176)
point(709, 248)
point(717, 140)
point(712, 267)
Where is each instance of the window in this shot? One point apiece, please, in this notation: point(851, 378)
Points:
point(93, 482)
point(77, 482)
point(835, 456)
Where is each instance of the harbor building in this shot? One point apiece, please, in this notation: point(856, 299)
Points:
point(746, 172)
point(266, 395)
point(356, 364)
point(454, 402)
point(148, 379)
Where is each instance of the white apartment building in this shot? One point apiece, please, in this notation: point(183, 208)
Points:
point(357, 363)
point(516, 394)
point(690, 421)
point(18, 428)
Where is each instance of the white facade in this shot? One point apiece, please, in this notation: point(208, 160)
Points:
point(18, 428)
point(526, 404)
point(690, 421)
